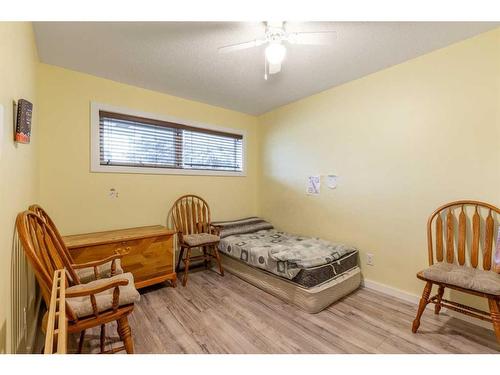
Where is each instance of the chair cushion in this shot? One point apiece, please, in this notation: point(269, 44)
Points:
point(87, 274)
point(82, 306)
point(200, 239)
point(466, 277)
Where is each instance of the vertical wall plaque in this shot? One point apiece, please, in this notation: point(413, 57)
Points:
point(23, 121)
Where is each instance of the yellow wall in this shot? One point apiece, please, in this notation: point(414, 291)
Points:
point(78, 199)
point(18, 163)
point(403, 141)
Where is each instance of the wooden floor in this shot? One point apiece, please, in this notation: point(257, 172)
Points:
point(216, 314)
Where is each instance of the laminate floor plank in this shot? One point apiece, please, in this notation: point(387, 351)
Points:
point(399, 325)
point(215, 314)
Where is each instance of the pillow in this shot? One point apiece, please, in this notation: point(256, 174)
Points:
point(242, 226)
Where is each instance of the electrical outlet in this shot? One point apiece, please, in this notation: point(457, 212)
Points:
point(369, 259)
point(113, 193)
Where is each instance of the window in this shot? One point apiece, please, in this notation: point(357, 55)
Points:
point(133, 143)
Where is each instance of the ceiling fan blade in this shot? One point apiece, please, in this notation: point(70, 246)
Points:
point(274, 68)
point(313, 37)
point(240, 46)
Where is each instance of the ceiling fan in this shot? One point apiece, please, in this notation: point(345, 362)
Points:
point(275, 37)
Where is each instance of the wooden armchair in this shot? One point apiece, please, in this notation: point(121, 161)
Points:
point(191, 218)
point(89, 271)
point(56, 334)
point(458, 267)
point(87, 305)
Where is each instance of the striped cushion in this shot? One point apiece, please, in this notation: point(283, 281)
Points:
point(242, 226)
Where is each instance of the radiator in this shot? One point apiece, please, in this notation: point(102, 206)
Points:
point(24, 301)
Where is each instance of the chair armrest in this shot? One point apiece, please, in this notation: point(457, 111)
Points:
point(91, 291)
point(99, 262)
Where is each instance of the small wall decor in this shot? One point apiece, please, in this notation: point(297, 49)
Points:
point(332, 180)
point(313, 185)
point(23, 121)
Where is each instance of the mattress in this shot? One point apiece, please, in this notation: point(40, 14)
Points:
point(313, 276)
point(311, 300)
point(307, 261)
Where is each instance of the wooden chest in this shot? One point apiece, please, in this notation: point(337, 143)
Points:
point(149, 251)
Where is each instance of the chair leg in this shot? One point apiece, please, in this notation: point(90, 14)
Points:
point(181, 254)
point(126, 335)
point(80, 342)
point(186, 267)
point(421, 306)
point(103, 337)
point(437, 307)
point(217, 256)
point(495, 315)
point(205, 256)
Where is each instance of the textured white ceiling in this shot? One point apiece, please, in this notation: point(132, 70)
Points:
point(181, 58)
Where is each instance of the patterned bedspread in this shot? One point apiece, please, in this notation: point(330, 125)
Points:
point(282, 253)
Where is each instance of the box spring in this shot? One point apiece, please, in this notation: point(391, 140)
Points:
point(311, 300)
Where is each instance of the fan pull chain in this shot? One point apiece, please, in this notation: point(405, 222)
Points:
point(265, 68)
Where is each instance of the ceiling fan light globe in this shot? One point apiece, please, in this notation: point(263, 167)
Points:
point(275, 53)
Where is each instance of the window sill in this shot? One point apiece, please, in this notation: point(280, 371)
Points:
point(168, 171)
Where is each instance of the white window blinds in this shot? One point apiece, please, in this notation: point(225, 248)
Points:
point(140, 142)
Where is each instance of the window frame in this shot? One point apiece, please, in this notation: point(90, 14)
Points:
point(95, 162)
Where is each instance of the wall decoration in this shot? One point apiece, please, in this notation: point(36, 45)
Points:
point(332, 180)
point(313, 185)
point(23, 121)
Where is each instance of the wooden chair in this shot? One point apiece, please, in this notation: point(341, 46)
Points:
point(457, 260)
point(191, 218)
point(89, 271)
point(56, 335)
point(87, 305)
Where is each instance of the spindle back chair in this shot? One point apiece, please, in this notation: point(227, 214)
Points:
point(462, 235)
point(45, 216)
point(65, 255)
point(191, 217)
point(45, 252)
point(95, 266)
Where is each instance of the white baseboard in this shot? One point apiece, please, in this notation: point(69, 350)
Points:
point(414, 299)
point(391, 291)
